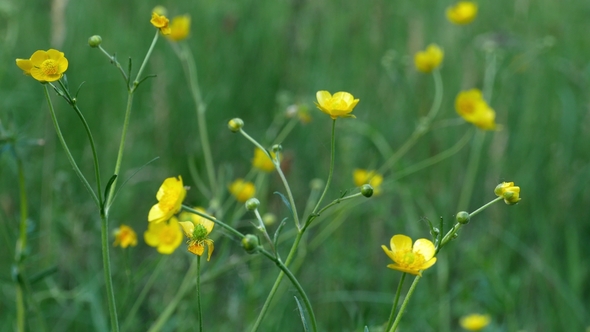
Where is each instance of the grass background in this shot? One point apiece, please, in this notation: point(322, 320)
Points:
point(525, 265)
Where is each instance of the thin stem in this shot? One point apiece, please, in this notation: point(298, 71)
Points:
point(215, 220)
point(485, 206)
point(471, 172)
point(21, 247)
point(395, 301)
point(106, 263)
point(286, 130)
point(199, 308)
point(332, 157)
point(145, 60)
point(114, 61)
point(404, 304)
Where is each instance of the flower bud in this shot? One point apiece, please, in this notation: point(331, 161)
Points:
point(463, 217)
point(252, 204)
point(269, 219)
point(250, 243)
point(94, 41)
point(160, 10)
point(277, 148)
point(509, 192)
point(235, 124)
point(367, 190)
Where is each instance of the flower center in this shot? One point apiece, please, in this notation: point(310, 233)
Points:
point(467, 107)
point(200, 233)
point(49, 67)
point(409, 259)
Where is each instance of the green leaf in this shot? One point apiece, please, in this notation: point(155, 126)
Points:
point(301, 314)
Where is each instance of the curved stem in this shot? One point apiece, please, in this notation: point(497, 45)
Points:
point(404, 304)
point(332, 157)
point(145, 60)
point(485, 206)
point(395, 301)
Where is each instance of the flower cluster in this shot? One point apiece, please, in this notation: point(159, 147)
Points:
point(429, 59)
point(474, 109)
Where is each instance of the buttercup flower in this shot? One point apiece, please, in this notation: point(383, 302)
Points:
point(429, 59)
point(363, 176)
point(474, 109)
point(179, 28)
point(125, 236)
point(242, 190)
point(509, 192)
point(197, 229)
point(170, 197)
point(338, 105)
point(44, 66)
point(463, 12)
point(165, 236)
point(160, 22)
point(408, 258)
point(474, 322)
point(262, 161)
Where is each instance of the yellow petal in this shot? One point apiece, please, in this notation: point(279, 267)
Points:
point(403, 269)
point(388, 252)
point(425, 248)
point(210, 248)
point(401, 242)
point(151, 236)
point(323, 97)
point(156, 214)
point(25, 65)
point(428, 264)
point(188, 228)
point(38, 57)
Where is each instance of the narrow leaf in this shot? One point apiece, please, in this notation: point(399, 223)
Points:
point(275, 239)
point(302, 315)
point(285, 201)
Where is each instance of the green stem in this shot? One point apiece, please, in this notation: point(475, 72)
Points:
point(106, 262)
point(405, 304)
point(199, 308)
point(471, 172)
point(485, 206)
point(21, 247)
point(114, 61)
point(332, 157)
point(215, 220)
point(286, 130)
point(145, 60)
point(395, 301)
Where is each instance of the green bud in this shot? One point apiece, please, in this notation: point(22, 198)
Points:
point(269, 219)
point(235, 124)
point(252, 204)
point(94, 41)
point(367, 190)
point(463, 217)
point(277, 148)
point(250, 243)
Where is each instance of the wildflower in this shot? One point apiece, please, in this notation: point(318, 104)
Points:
point(125, 236)
point(170, 197)
point(262, 162)
point(197, 229)
point(242, 190)
point(363, 176)
point(179, 28)
point(462, 13)
point(429, 59)
point(474, 109)
point(165, 236)
point(235, 125)
point(408, 258)
point(299, 111)
point(44, 66)
point(338, 105)
point(474, 322)
point(160, 22)
point(509, 192)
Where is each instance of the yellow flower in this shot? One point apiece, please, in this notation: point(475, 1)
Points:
point(463, 12)
point(408, 258)
point(44, 66)
point(474, 109)
point(262, 161)
point(165, 236)
point(125, 236)
point(242, 190)
point(429, 59)
point(363, 176)
point(509, 192)
point(179, 28)
point(338, 105)
point(474, 322)
point(170, 197)
point(197, 229)
point(160, 22)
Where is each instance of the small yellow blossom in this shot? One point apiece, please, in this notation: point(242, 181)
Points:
point(179, 28)
point(242, 190)
point(408, 258)
point(509, 192)
point(170, 197)
point(474, 322)
point(463, 12)
point(44, 66)
point(165, 236)
point(125, 236)
point(474, 109)
point(429, 59)
point(160, 22)
point(197, 229)
point(262, 161)
point(363, 176)
point(338, 105)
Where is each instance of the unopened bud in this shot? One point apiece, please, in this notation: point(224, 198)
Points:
point(463, 217)
point(94, 41)
point(252, 204)
point(235, 124)
point(367, 190)
point(250, 243)
point(277, 148)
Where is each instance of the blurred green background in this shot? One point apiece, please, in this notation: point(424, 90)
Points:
point(525, 265)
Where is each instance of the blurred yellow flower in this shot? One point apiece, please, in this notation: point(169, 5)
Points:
point(44, 66)
point(463, 12)
point(165, 236)
point(170, 197)
point(509, 192)
point(408, 258)
point(125, 236)
point(197, 229)
point(262, 161)
point(160, 22)
point(299, 111)
point(363, 176)
point(179, 28)
point(338, 105)
point(242, 190)
point(429, 59)
point(474, 322)
point(474, 109)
